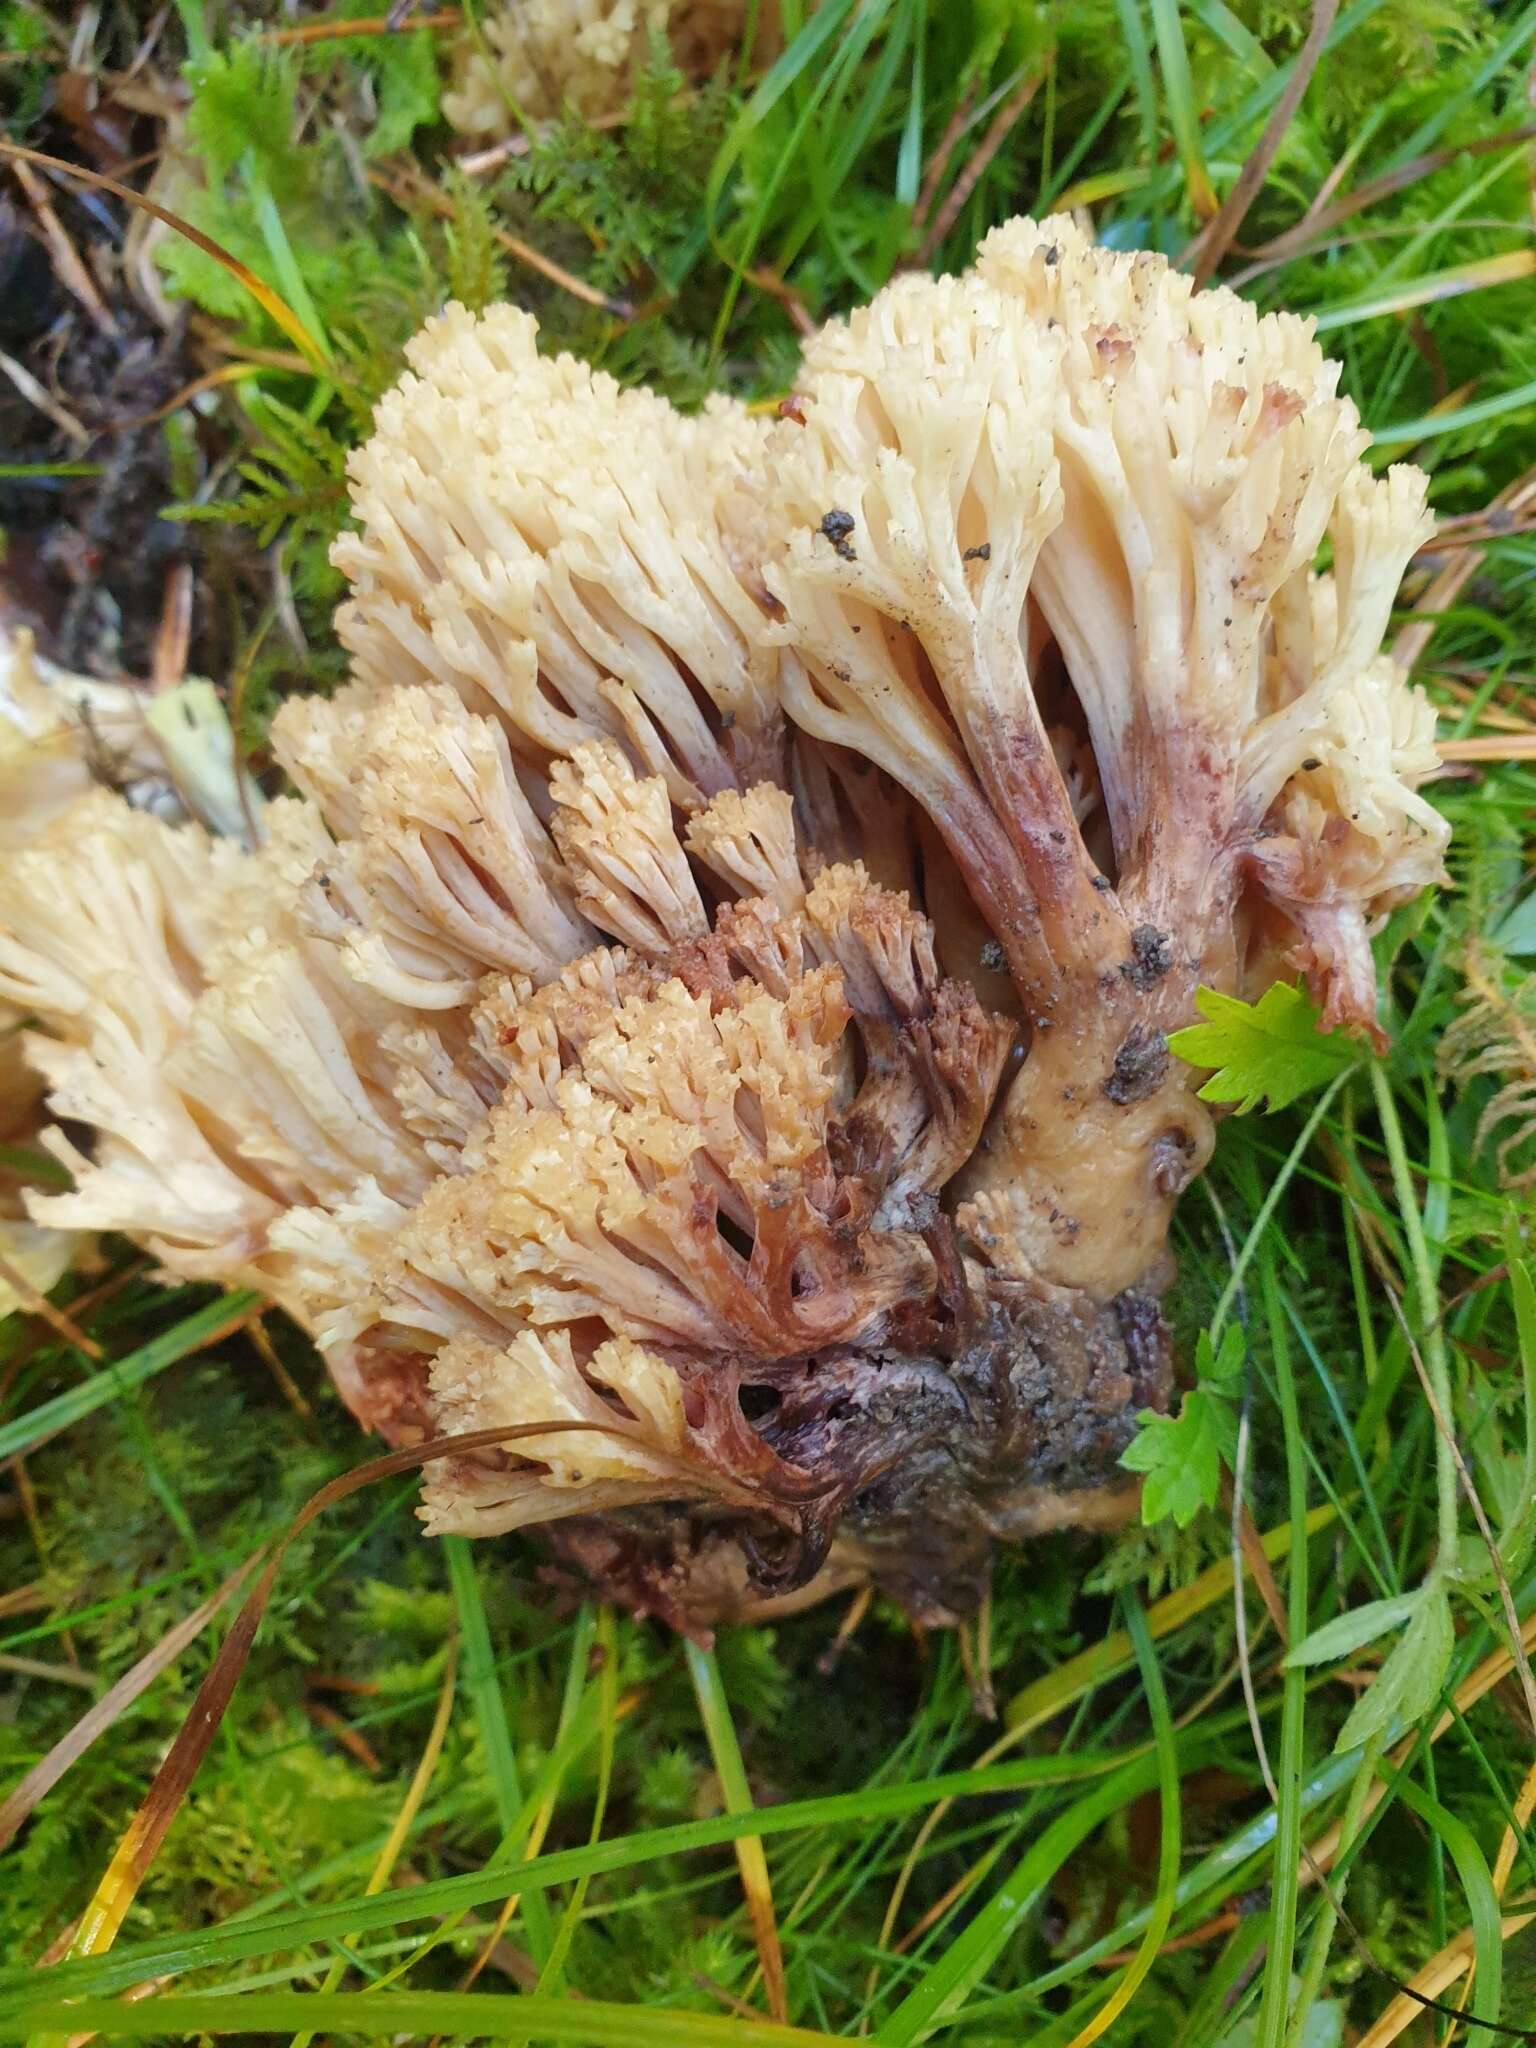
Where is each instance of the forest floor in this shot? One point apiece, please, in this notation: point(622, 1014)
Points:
point(1167, 1833)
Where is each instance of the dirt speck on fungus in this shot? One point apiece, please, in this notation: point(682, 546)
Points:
point(837, 526)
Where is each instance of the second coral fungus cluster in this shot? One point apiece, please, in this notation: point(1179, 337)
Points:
point(535, 59)
point(713, 983)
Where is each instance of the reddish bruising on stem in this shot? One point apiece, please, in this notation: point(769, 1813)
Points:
point(997, 879)
point(1075, 917)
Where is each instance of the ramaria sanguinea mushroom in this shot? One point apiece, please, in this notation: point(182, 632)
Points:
point(716, 978)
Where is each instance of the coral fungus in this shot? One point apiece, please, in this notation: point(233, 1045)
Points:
point(714, 981)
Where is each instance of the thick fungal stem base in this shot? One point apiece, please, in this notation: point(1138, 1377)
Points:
point(1075, 1181)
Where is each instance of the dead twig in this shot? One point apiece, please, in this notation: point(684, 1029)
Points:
point(1444, 589)
point(1422, 1993)
point(402, 189)
point(67, 261)
point(1294, 240)
point(49, 407)
point(769, 281)
point(357, 1746)
point(35, 1667)
point(140, 1842)
point(858, 1607)
point(1218, 235)
point(1508, 747)
point(24, 1600)
point(997, 134)
point(391, 24)
point(173, 637)
point(39, 1305)
point(286, 1384)
point(476, 162)
point(1501, 710)
point(938, 163)
point(93, 1724)
point(270, 301)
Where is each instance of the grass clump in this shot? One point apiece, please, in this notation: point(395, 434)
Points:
point(1195, 1820)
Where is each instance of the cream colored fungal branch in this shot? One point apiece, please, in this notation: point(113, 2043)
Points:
point(713, 983)
point(549, 546)
point(912, 488)
point(1045, 542)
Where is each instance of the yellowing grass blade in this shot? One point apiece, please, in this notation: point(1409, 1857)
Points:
point(1509, 268)
point(1068, 1682)
point(261, 292)
point(714, 1711)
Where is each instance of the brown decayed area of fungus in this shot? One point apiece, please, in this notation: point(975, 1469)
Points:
point(714, 979)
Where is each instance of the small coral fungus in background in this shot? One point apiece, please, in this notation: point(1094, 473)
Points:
point(715, 980)
point(537, 58)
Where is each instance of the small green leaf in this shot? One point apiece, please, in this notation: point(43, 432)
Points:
point(1349, 1632)
point(1409, 1683)
point(1182, 1456)
point(1222, 1367)
point(401, 65)
point(244, 104)
point(1270, 1051)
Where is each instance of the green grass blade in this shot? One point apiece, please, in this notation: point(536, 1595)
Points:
point(909, 157)
point(1515, 1540)
point(1266, 1210)
point(1430, 1329)
point(482, 1686)
point(1170, 1836)
point(1114, 1653)
point(236, 1939)
point(1061, 177)
point(289, 277)
point(725, 1751)
point(1214, 1877)
point(1238, 38)
point(1429, 287)
point(195, 28)
point(792, 64)
point(1183, 115)
point(1482, 1902)
point(1275, 2008)
point(10, 1154)
point(828, 177)
point(418, 2015)
point(1431, 425)
point(589, 1627)
point(942, 1993)
point(1434, 124)
point(1138, 52)
point(1225, 132)
point(121, 1376)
